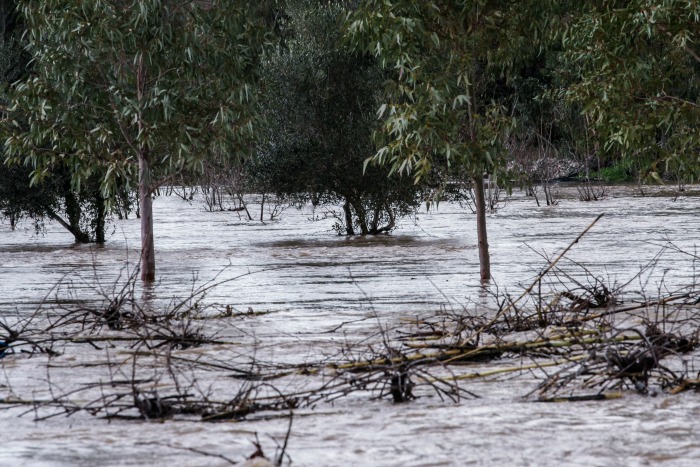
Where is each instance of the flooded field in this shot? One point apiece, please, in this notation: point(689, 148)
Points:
point(296, 293)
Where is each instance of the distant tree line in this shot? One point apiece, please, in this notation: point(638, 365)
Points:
point(368, 105)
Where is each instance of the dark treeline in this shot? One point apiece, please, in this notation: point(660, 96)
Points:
point(369, 105)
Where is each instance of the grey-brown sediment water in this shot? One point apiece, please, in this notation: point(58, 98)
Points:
point(311, 293)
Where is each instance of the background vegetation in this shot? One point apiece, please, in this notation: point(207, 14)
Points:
point(368, 105)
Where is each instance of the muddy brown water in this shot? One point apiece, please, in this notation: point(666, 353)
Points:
point(315, 291)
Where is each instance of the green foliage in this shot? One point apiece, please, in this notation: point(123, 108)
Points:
point(633, 67)
point(621, 171)
point(18, 200)
point(116, 80)
point(13, 63)
point(319, 102)
point(448, 60)
point(81, 212)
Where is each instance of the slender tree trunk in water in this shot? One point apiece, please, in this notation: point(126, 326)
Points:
point(348, 219)
point(148, 257)
point(100, 221)
point(72, 210)
point(361, 217)
point(74, 213)
point(245, 206)
point(262, 207)
point(79, 236)
point(148, 254)
point(375, 221)
point(484, 260)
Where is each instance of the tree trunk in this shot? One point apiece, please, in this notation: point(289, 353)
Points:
point(392, 220)
point(245, 207)
point(100, 217)
point(375, 221)
point(484, 261)
point(79, 235)
point(348, 219)
point(262, 207)
point(148, 253)
point(74, 213)
point(14, 218)
point(148, 257)
point(361, 216)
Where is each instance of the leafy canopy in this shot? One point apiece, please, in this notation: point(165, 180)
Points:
point(319, 101)
point(115, 78)
point(633, 67)
point(447, 57)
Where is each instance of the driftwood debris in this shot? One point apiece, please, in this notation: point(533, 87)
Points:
point(570, 338)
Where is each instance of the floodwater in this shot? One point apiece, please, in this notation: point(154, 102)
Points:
point(313, 294)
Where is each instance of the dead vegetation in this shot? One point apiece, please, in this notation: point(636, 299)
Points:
point(570, 335)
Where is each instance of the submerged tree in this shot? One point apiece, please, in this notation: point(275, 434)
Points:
point(134, 92)
point(82, 213)
point(319, 102)
point(443, 105)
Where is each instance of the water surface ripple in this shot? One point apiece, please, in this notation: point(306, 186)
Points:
point(313, 281)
